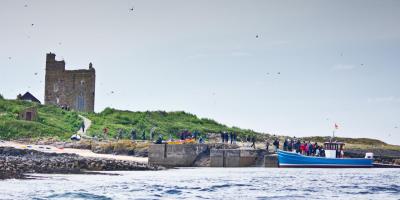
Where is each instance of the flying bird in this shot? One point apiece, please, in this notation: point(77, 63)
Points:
point(257, 36)
point(36, 73)
point(32, 24)
point(131, 9)
point(279, 72)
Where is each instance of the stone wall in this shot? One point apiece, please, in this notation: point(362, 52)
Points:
point(236, 157)
point(271, 161)
point(179, 155)
point(74, 89)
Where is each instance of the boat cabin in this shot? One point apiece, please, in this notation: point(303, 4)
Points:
point(333, 149)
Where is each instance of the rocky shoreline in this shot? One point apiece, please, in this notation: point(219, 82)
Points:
point(16, 163)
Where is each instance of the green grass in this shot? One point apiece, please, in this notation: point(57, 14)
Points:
point(52, 121)
point(166, 123)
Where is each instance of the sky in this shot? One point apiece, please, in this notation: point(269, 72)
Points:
point(280, 67)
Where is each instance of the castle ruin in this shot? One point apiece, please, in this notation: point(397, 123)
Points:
point(72, 89)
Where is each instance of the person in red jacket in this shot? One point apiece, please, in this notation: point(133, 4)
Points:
point(303, 148)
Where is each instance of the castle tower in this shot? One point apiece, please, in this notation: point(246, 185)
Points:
point(74, 89)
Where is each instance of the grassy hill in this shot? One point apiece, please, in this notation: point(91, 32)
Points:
point(166, 123)
point(52, 121)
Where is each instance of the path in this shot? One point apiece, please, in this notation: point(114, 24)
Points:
point(80, 152)
point(87, 122)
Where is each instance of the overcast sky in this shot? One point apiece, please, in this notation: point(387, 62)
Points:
point(313, 64)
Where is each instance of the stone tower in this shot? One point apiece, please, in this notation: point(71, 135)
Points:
point(74, 89)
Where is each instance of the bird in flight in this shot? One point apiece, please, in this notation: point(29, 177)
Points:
point(32, 24)
point(257, 36)
point(35, 73)
point(279, 72)
point(131, 9)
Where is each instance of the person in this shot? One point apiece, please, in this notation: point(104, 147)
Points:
point(170, 137)
point(133, 134)
point(201, 140)
point(222, 137)
point(231, 137)
point(303, 148)
point(322, 152)
point(290, 147)
point(144, 135)
point(83, 127)
point(234, 138)
point(297, 146)
point(310, 149)
point(159, 140)
point(341, 153)
point(276, 145)
point(226, 137)
point(120, 134)
point(315, 147)
point(267, 145)
point(285, 145)
point(195, 135)
point(317, 152)
point(105, 132)
point(253, 140)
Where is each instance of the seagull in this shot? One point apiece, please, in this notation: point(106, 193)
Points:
point(35, 73)
point(32, 24)
point(112, 92)
point(131, 9)
point(279, 72)
point(257, 36)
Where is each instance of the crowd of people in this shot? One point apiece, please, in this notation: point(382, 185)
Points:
point(228, 137)
point(304, 148)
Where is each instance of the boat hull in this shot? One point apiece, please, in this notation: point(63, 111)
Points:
point(289, 159)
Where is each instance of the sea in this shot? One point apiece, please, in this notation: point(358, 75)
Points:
point(211, 183)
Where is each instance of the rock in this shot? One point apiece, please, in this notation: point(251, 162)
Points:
point(14, 163)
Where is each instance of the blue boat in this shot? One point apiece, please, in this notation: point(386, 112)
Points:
point(291, 159)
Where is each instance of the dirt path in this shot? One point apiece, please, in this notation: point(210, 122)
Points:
point(81, 152)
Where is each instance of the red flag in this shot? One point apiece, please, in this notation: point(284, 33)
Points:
point(336, 126)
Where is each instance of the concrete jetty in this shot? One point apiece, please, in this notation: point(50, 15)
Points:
point(208, 155)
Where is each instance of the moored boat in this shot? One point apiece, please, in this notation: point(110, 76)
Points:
point(292, 159)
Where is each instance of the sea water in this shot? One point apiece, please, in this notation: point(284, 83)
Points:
point(212, 183)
